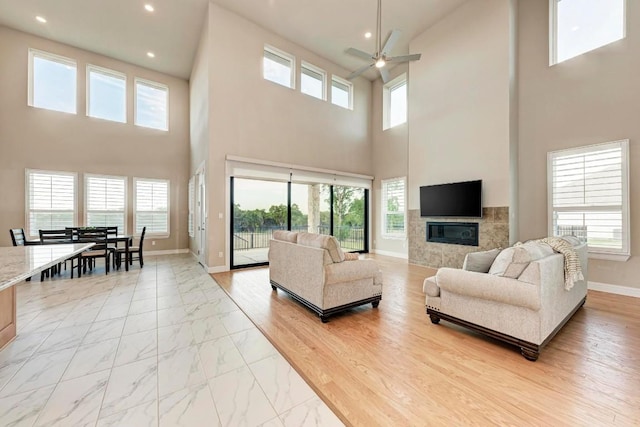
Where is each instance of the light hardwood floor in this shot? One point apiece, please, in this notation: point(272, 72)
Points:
point(391, 367)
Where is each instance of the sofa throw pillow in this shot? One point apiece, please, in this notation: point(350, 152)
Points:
point(286, 236)
point(511, 262)
point(572, 240)
point(322, 241)
point(480, 261)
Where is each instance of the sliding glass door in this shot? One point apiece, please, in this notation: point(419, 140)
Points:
point(260, 207)
point(349, 217)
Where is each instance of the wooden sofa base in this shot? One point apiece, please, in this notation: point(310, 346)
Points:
point(324, 314)
point(529, 350)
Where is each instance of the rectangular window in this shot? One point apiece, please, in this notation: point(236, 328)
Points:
point(105, 201)
point(51, 201)
point(393, 208)
point(152, 105)
point(341, 93)
point(191, 205)
point(278, 67)
point(151, 206)
point(106, 94)
point(313, 81)
point(52, 82)
point(579, 26)
point(395, 102)
point(589, 196)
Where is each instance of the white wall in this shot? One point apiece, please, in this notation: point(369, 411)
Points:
point(459, 102)
point(252, 117)
point(36, 138)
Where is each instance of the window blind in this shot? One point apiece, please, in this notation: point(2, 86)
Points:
point(105, 201)
point(51, 201)
point(393, 207)
point(589, 195)
point(312, 74)
point(152, 206)
point(271, 56)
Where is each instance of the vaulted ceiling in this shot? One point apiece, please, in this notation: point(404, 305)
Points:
point(124, 30)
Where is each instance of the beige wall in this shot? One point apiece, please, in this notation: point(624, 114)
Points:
point(199, 122)
point(589, 99)
point(390, 149)
point(462, 100)
point(41, 139)
point(252, 117)
point(459, 102)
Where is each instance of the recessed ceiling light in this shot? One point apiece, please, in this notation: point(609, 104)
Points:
point(151, 54)
point(576, 28)
point(41, 19)
point(367, 35)
point(149, 7)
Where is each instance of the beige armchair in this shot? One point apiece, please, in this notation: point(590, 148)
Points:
point(313, 270)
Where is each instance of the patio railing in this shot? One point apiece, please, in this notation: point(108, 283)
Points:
point(350, 238)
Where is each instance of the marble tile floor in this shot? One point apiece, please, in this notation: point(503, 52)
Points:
point(158, 346)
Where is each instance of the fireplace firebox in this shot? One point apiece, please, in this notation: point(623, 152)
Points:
point(457, 233)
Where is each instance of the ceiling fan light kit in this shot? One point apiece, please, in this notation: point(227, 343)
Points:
point(381, 56)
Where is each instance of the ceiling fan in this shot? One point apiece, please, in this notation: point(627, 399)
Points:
point(381, 57)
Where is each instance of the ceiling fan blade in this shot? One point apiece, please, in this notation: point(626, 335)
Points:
point(359, 53)
point(359, 71)
point(391, 41)
point(405, 58)
point(384, 73)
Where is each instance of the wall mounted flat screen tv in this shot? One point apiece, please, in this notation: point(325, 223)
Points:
point(458, 199)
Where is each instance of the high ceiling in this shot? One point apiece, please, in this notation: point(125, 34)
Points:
point(124, 30)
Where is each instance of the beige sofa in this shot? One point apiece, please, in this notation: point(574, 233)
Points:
point(313, 269)
point(526, 309)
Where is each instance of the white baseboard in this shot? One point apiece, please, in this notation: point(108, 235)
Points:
point(218, 269)
point(166, 252)
point(614, 289)
point(389, 253)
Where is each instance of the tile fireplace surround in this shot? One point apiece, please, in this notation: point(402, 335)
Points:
point(494, 233)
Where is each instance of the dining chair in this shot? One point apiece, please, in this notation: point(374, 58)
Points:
point(53, 237)
point(99, 250)
point(112, 232)
point(18, 239)
point(132, 250)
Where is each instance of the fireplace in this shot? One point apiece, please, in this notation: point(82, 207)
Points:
point(457, 233)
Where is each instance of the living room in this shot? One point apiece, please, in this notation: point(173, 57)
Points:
point(501, 108)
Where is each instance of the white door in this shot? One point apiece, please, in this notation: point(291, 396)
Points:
point(201, 217)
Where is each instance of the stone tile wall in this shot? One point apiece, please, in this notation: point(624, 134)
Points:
point(493, 229)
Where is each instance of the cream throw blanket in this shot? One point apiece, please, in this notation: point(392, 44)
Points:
point(572, 269)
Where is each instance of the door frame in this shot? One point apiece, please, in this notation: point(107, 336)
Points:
point(201, 215)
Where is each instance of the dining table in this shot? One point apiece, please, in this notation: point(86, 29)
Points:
point(18, 263)
point(111, 238)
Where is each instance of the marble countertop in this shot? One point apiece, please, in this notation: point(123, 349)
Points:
point(20, 262)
